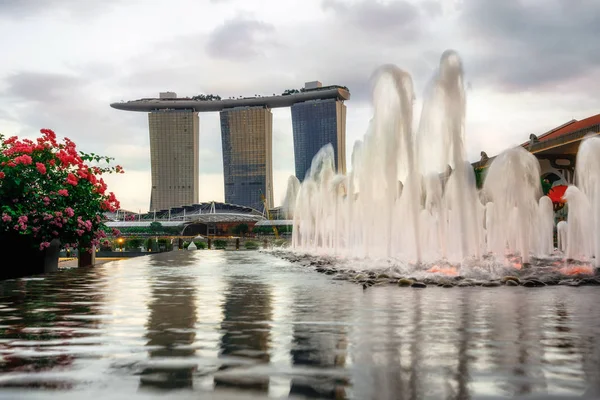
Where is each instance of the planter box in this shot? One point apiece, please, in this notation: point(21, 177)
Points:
point(25, 258)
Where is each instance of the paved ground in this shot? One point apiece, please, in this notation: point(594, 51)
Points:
point(72, 262)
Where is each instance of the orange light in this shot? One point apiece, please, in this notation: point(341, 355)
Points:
point(577, 270)
point(450, 271)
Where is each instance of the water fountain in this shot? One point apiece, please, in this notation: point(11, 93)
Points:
point(411, 195)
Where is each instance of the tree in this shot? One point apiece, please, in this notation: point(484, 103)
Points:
point(156, 226)
point(479, 177)
point(50, 190)
point(241, 229)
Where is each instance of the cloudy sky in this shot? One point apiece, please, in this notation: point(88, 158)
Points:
point(529, 66)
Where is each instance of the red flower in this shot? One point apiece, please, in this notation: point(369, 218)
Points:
point(63, 168)
point(40, 167)
point(23, 159)
point(72, 179)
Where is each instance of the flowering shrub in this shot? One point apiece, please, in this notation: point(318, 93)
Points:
point(49, 191)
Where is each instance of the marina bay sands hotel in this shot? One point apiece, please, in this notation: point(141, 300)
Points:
point(318, 118)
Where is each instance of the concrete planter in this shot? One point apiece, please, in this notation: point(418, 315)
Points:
point(21, 258)
point(86, 258)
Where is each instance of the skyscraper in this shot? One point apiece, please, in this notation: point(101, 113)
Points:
point(316, 123)
point(318, 116)
point(174, 158)
point(246, 136)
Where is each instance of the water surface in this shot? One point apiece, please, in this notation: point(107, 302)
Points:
point(215, 324)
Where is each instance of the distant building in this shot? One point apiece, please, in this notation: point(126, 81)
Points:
point(316, 123)
point(247, 140)
point(556, 149)
point(174, 158)
point(319, 118)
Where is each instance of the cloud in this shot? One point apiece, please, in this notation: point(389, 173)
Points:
point(395, 21)
point(76, 8)
point(532, 45)
point(75, 107)
point(234, 48)
point(41, 87)
point(239, 38)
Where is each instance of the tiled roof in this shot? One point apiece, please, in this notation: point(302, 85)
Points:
point(569, 127)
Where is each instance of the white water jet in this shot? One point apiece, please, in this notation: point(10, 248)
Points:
point(291, 193)
point(513, 184)
point(411, 196)
point(561, 235)
point(588, 180)
point(544, 234)
point(579, 243)
point(392, 203)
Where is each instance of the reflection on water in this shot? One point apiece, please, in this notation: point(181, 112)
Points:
point(247, 314)
point(227, 323)
point(316, 345)
point(170, 327)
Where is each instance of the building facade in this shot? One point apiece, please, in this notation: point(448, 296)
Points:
point(247, 140)
point(319, 118)
point(316, 123)
point(174, 157)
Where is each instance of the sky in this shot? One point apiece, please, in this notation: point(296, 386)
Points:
point(529, 66)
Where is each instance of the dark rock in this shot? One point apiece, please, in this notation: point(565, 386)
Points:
point(590, 281)
point(321, 270)
point(448, 286)
point(491, 284)
point(383, 276)
point(511, 282)
point(418, 285)
point(359, 277)
point(510, 278)
point(458, 278)
point(569, 282)
point(405, 282)
point(533, 283)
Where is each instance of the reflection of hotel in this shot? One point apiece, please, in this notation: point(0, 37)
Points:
point(318, 118)
point(247, 310)
point(171, 323)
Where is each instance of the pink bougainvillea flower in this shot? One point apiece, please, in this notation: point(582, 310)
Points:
point(64, 198)
point(40, 167)
point(72, 179)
